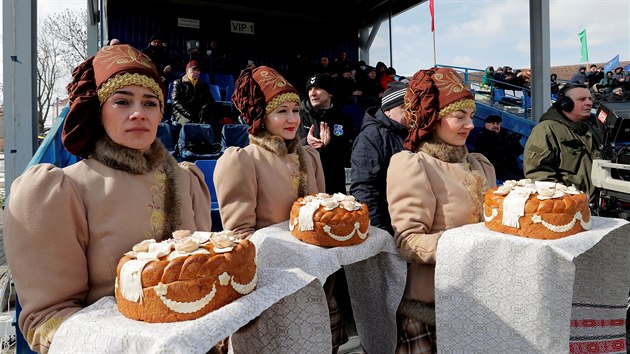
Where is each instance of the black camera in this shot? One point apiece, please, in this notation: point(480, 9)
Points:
point(612, 174)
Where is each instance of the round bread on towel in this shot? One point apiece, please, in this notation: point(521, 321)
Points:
point(329, 220)
point(543, 210)
point(185, 277)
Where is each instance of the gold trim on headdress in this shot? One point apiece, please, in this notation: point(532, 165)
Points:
point(118, 81)
point(280, 99)
point(456, 106)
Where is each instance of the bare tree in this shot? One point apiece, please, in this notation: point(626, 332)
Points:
point(61, 45)
point(48, 71)
point(70, 28)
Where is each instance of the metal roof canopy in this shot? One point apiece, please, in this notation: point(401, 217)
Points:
point(20, 38)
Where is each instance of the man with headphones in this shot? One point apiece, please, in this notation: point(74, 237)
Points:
point(562, 146)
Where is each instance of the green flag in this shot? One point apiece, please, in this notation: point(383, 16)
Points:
point(584, 50)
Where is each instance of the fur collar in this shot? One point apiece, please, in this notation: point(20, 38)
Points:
point(282, 148)
point(443, 151)
point(136, 162)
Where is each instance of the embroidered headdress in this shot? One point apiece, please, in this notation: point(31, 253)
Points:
point(93, 81)
point(258, 91)
point(431, 95)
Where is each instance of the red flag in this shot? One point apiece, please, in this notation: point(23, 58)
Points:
point(432, 10)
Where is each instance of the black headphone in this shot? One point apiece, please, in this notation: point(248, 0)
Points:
point(564, 102)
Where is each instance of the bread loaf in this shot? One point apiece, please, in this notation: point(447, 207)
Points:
point(185, 277)
point(543, 210)
point(329, 220)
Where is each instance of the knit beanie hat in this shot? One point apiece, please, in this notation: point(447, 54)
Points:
point(93, 81)
point(394, 96)
point(431, 95)
point(258, 91)
point(323, 81)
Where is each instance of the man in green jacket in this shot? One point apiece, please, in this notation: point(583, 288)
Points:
point(561, 148)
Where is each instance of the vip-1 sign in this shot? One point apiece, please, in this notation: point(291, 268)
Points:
point(242, 27)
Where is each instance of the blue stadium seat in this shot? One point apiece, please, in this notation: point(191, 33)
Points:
point(223, 79)
point(216, 93)
point(234, 135)
point(164, 133)
point(229, 91)
point(205, 78)
point(196, 142)
point(498, 94)
point(207, 167)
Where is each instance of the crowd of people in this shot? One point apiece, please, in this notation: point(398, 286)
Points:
point(409, 163)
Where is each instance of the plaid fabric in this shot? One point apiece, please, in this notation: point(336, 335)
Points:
point(415, 337)
point(337, 327)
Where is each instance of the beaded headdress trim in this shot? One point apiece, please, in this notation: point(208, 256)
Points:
point(118, 81)
point(280, 99)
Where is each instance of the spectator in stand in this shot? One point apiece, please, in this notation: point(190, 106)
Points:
point(215, 60)
point(360, 70)
point(162, 60)
point(607, 84)
point(324, 66)
point(433, 185)
point(382, 135)
point(555, 85)
point(509, 77)
point(522, 78)
point(562, 146)
point(66, 228)
point(326, 128)
point(341, 62)
point(192, 100)
point(388, 76)
point(499, 78)
point(380, 71)
point(594, 75)
point(617, 95)
point(501, 148)
point(371, 88)
point(579, 77)
point(620, 76)
point(348, 91)
point(488, 77)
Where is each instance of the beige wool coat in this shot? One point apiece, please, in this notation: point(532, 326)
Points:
point(66, 229)
point(435, 189)
point(257, 185)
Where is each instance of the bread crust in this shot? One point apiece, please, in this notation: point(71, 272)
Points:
point(342, 223)
point(189, 279)
point(556, 211)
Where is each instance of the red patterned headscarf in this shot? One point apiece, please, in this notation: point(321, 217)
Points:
point(258, 91)
point(431, 95)
point(93, 81)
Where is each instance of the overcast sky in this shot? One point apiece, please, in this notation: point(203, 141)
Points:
point(478, 33)
point(496, 32)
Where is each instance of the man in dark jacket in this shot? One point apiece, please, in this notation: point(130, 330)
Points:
point(561, 148)
point(328, 129)
point(501, 148)
point(160, 58)
point(382, 135)
point(193, 102)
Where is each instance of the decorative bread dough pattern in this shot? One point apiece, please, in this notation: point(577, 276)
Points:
point(537, 209)
point(329, 220)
